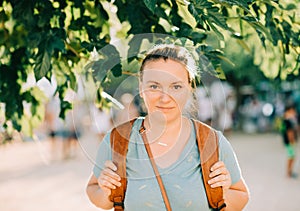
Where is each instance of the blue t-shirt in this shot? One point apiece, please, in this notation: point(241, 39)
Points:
point(182, 179)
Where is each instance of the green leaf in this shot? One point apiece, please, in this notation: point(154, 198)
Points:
point(174, 16)
point(184, 30)
point(236, 35)
point(98, 97)
point(220, 73)
point(73, 82)
point(3, 16)
point(258, 26)
point(206, 14)
point(16, 123)
point(64, 107)
point(26, 126)
point(198, 37)
point(34, 38)
point(241, 3)
point(134, 47)
point(112, 56)
point(88, 66)
point(217, 18)
point(110, 61)
point(150, 4)
point(99, 72)
point(243, 44)
point(227, 60)
point(102, 11)
point(58, 44)
point(117, 70)
point(161, 12)
point(3, 36)
point(23, 11)
point(202, 4)
point(291, 7)
point(43, 65)
point(218, 33)
point(47, 10)
point(27, 96)
point(121, 13)
point(197, 16)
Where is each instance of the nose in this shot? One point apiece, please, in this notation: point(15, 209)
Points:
point(165, 97)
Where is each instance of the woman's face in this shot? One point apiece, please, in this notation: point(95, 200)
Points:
point(165, 88)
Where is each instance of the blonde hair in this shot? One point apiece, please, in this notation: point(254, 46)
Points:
point(174, 52)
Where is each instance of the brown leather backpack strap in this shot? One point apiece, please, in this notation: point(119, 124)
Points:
point(119, 140)
point(208, 146)
point(156, 172)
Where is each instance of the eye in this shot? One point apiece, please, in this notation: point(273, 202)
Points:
point(153, 86)
point(176, 87)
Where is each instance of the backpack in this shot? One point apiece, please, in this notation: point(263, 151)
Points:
point(209, 154)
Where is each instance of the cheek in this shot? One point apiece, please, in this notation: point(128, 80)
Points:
point(181, 98)
point(149, 97)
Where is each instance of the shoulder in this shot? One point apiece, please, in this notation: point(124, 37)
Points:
point(128, 128)
point(202, 128)
point(131, 122)
point(200, 123)
point(225, 147)
point(224, 144)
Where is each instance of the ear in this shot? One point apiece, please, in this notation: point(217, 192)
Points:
point(140, 89)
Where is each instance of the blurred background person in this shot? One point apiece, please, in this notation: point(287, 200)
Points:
point(70, 133)
point(205, 106)
point(101, 121)
point(53, 123)
point(226, 111)
point(62, 133)
point(289, 132)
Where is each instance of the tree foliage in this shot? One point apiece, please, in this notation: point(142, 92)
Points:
point(54, 38)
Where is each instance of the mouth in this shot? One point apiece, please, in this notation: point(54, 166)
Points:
point(165, 108)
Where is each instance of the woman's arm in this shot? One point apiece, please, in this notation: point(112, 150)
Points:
point(96, 195)
point(99, 190)
point(237, 196)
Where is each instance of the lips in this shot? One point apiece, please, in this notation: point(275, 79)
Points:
point(164, 108)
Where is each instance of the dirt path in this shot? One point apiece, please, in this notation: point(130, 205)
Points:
point(31, 180)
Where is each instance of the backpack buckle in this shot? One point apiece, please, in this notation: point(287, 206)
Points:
point(220, 208)
point(119, 205)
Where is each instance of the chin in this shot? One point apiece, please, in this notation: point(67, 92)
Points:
point(165, 116)
point(169, 117)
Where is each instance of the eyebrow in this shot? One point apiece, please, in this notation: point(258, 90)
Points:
point(177, 82)
point(155, 82)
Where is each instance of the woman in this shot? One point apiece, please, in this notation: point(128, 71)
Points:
point(166, 78)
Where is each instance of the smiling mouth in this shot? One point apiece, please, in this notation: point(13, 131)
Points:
point(165, 108)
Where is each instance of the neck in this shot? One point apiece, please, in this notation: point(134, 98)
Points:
point(166, 134)
point(159, 124)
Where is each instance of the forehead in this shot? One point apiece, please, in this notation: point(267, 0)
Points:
point(165, 70)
